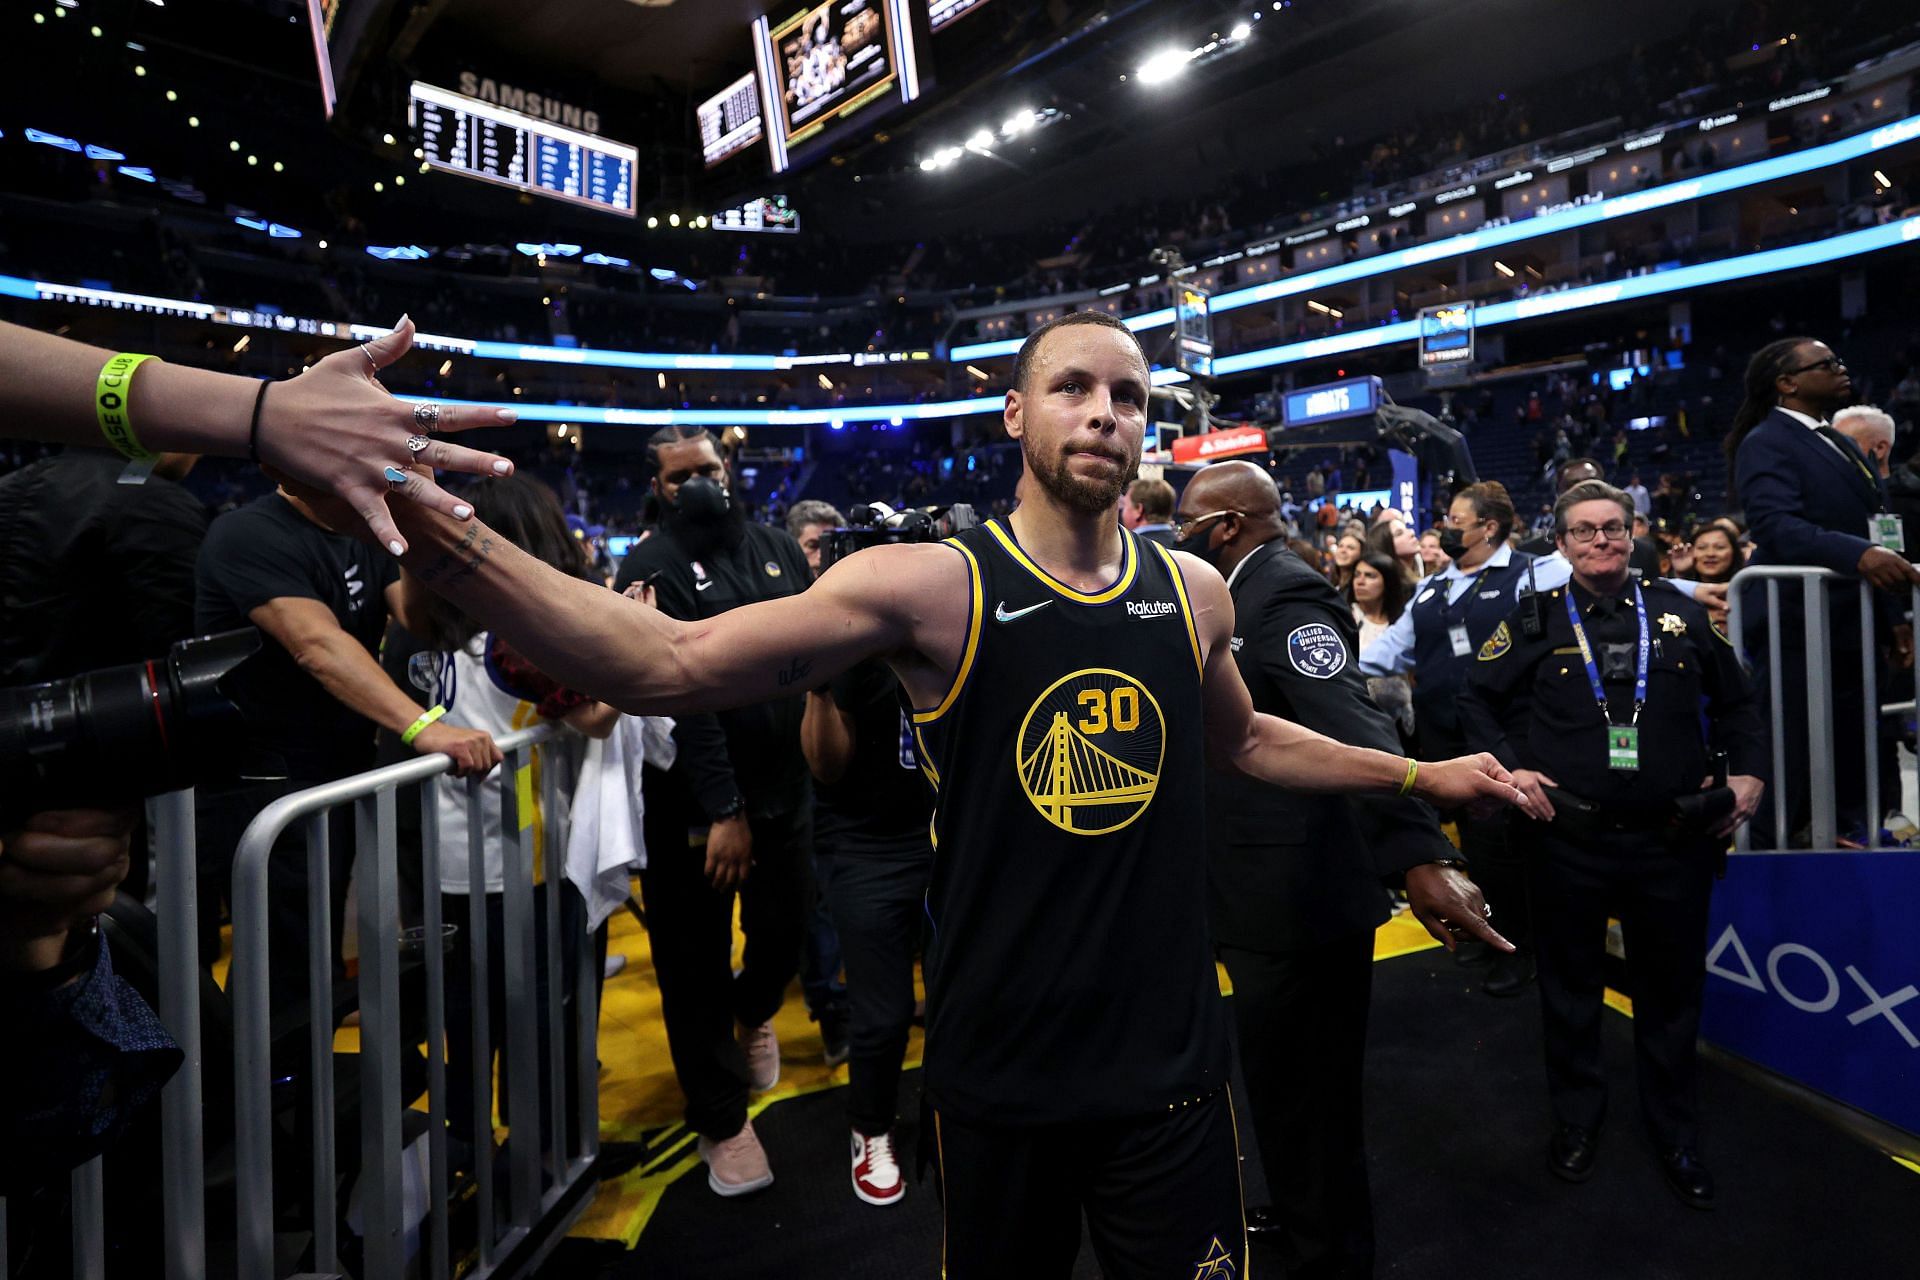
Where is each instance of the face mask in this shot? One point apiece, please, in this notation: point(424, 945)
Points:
point(1453, 543)
point(1195, 544)
point(701, 500)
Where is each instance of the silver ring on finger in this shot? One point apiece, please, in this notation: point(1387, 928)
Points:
point(417, 444)
point(426, 416)
point(1486, 911)
point(368, 353)
point(397, 477)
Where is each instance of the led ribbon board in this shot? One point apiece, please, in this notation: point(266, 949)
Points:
point(1673, 193)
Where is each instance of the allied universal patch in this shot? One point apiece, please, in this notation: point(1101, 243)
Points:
point(1316, 650)
point(1497, 644)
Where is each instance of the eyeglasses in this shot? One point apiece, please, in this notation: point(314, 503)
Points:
point(1183, 528)
point(1614, 530)
point(1834, 363)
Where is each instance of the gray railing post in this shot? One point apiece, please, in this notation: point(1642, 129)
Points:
point(439, 1265)
point(89, 1222)
point(382, 1141)
point(517, 1051)
point(326, 1216)
point(182, 1137)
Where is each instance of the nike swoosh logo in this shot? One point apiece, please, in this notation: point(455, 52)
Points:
point(703, 584)
point(1001, 613)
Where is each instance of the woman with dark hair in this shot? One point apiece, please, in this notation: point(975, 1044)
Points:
point(484, 684)
point(1347, 550)
point(1377, 593)
point(1393, 538)
point(1715, 558)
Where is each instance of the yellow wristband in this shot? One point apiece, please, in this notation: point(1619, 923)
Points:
point(110, 402)
point(1413, 771)
point(427, 717)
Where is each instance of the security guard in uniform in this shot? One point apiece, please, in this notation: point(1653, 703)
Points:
point(1592, 695)
point(1295, 881)
point(1452, 614)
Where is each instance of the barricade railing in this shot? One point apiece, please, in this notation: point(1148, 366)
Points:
point(545, 1166)
point(1820, 666)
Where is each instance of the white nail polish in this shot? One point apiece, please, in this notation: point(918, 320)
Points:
point(395, 546)
point(462, 511)
point(502, 467)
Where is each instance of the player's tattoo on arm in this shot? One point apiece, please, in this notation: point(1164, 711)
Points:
point(463, 561)
point(794, 674)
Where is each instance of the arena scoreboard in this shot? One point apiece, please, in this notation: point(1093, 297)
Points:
point(1446, 335)
point(464, 135)
point(943, 12)
point(1193, 332)
point(768, 213)
point(730, 120)
point(1354, 398)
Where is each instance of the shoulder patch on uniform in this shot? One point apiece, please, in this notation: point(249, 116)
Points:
point(1317, 651)
point(1497, 644)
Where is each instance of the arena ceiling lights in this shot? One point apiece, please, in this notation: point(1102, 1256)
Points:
point(1165, 65)
point(982, 142)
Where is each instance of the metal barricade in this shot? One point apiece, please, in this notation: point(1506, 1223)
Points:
point(546, 1168)
point(1815, 585)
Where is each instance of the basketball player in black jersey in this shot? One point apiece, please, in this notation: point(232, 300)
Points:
point(1068, 682)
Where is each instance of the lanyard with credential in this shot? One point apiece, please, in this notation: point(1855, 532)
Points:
point(1593, 670)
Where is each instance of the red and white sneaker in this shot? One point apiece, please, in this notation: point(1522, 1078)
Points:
point(876, 1177)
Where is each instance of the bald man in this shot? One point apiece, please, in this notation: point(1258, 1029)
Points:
point(1294, 925)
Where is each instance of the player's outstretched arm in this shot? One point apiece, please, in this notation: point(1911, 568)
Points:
point(1289, 755)
point(645, 663)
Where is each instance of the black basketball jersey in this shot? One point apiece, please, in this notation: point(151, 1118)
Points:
point(1070, 975)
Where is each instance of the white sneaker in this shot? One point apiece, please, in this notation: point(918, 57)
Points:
point(876, 1176)
point(736, 1165)
point(763, 1056)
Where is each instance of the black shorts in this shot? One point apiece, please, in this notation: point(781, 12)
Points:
point(1161, 1195)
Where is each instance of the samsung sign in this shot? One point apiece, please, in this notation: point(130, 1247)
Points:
point(516, 99)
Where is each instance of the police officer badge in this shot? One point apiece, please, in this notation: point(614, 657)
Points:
point(1316, 650)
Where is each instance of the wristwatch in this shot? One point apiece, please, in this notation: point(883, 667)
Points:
point(731, 809)
point(1454, 864)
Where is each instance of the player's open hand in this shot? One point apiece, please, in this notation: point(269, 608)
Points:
point(1477, 783)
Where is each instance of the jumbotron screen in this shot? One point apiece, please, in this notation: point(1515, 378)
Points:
point(730, 120)
point(831, 61)
point(467, 136)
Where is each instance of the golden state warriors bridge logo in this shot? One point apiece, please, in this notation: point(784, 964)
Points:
point(1090, 751)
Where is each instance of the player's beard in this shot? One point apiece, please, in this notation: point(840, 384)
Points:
point(1079, 493)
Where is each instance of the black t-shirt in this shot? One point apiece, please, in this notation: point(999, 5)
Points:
point(882, 803)
point(268, 551)
point(759, 754)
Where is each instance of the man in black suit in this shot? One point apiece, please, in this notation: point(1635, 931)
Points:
point(1811, 498)
point(1296, 880)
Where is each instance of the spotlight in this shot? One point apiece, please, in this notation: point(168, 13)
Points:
point(139, 70)
point(278, 167)
point(387, 138)
point(193, 122)
point(253, 159)
point(652, 222)
point(929, 164)
point(980, 141)
point(379, 187)
point(234, 145)
point(1163, 66)
point(172, 96)
point(323, 244)
point(399, 181)
point(673, 219)
point(1240, 32)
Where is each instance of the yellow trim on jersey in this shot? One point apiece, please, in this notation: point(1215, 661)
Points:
point(1186, 606)
point(976, 610)
point(1113, 592)
point(926, 761)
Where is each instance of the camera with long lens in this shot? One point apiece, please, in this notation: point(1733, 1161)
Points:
point(873, 523)
point(120, 734)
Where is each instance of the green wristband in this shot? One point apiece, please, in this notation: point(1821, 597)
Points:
point(427, 717)
point(110, 398)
